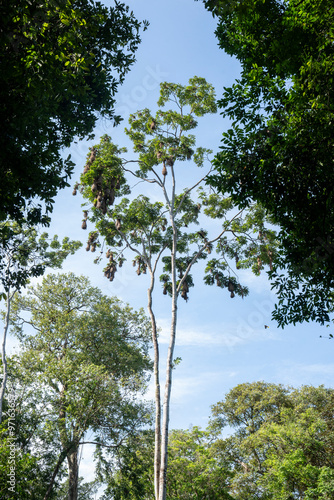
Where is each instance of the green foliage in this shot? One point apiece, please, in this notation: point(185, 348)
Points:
point(282, 445)
point(23, 425)
point(24, 253)
point(193, 472)
point(86, 491)
point(130, 474)
point(264, 441)
point(169, 143)
point(150, 229)
point(61, 64)
point(278, 150)
point(86, 357)
point(30, 473)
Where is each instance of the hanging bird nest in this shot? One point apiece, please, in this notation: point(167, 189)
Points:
point(170, 161)
point(75, 189)
point(230, 286)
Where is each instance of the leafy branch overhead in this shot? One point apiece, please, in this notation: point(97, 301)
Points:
point(25, 253)
point(279, 148)
point(61, 63)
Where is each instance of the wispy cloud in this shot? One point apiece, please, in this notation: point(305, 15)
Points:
point(190, 387)
point(297, 374)
point(225, 335)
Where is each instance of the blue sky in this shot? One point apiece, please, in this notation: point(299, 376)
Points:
point(222, 341)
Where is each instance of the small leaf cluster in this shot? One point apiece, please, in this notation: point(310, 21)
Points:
point(26, 253)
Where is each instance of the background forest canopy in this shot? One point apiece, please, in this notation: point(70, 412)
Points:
point(263, 441)
point(83, 364)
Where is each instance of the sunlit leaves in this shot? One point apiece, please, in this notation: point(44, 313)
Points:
point(26, 253)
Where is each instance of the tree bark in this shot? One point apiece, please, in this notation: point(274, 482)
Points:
point(3, 352)
point(157, 446)
point(73, 469)
point(169, 369)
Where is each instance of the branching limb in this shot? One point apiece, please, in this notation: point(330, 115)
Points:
point(201, 250)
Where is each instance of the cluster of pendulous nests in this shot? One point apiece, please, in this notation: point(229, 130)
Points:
point(92, 242)
point(111, 268)
point(104, 191)
point(104, 196)
point(142, 266)
point(184, 290)
point(169, 161)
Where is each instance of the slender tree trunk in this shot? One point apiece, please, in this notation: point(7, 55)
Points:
point(169, 370)
point(157, 446)
point(73, 470)
point(54, 475)
point(3, 352)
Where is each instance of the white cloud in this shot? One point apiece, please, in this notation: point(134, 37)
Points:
point(188, 387)
point(225, 335)
point(297, 374)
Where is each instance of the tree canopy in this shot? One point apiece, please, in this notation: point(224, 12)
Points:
point(61, 62)
point(86, 356)
point(264, 442)
point(25, 254)
point(282, 444)
point(279, 149)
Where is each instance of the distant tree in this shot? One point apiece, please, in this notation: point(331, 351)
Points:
point(61, 63)
point(282, 445)
point(25, 254)
point(129, 472)
point(163, 226)
point(194, 471)
point(89, 354)
point(28, 447)
point(279, 447)
point(279, 149)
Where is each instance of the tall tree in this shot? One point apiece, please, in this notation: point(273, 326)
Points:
point(25, 254)
point(279, 149)
point(90, 353)
point(167, 230)
point(61, 62)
